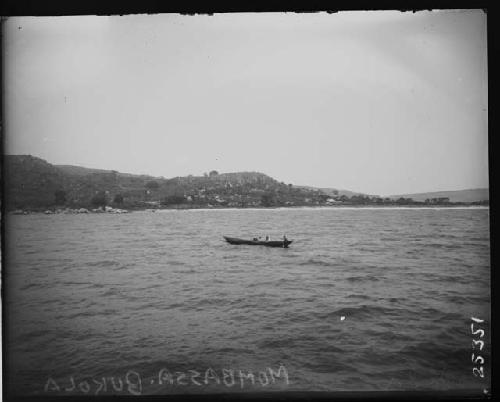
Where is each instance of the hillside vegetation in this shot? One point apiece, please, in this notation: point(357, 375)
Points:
point(32, 183)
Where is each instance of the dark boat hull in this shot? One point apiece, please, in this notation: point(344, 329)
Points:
point(271, 243)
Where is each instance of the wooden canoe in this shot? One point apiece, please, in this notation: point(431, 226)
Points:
point(270, 243)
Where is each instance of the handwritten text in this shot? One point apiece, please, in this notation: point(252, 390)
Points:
point(135, 384)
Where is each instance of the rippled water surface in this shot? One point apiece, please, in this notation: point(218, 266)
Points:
point(93, 296)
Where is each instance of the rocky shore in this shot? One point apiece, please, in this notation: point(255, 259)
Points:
point(111, 210)
point(104, 210)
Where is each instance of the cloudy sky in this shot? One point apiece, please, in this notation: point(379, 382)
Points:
point(378, 102)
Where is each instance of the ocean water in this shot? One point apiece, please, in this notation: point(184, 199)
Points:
point(365, 299)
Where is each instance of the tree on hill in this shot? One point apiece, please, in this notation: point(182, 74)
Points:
point(323, 198)
point(99, 199)
point(267, 200)
point(60, 197)
point(174, 199)
point(213, 173)
point(152, 185)
point(402, 200)
point(118, 199)
point(359, 199)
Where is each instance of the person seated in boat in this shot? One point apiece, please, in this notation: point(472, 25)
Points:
point(284, 238)
point(268, 238)
point(255, 239)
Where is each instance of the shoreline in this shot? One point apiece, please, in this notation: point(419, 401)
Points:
point(317, 208)
point(220, 208)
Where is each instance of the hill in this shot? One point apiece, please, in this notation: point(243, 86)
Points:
point(30, 181)
point(33, 183)
point(471, 195)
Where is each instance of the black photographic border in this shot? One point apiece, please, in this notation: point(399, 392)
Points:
point(10, 8)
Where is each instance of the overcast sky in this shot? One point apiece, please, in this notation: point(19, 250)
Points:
point(377, 102)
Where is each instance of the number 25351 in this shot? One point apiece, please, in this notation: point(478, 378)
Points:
point(477, 360)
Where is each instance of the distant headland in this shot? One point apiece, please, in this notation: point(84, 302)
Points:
point(33, 184)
